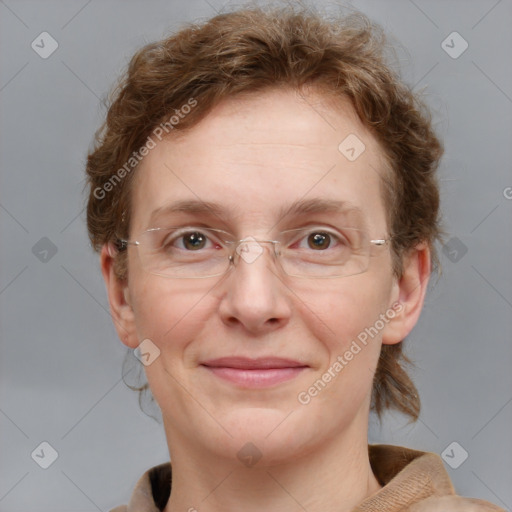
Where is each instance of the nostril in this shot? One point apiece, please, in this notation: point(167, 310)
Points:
point(233, 320)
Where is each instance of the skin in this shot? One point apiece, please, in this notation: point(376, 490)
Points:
point(252, 155)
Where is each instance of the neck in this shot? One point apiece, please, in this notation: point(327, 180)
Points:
point(336, 476)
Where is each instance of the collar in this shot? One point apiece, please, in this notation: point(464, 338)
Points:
point(413, 481)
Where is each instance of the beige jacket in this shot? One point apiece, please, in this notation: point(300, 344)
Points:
point(413, 481)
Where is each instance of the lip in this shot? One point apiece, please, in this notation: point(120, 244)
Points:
point(255, 373)
point(246, 363)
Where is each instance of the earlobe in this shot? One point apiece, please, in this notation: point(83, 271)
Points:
point(409, 295)
point(119, 299)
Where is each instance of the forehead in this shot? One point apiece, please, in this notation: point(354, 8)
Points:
point(259, 157)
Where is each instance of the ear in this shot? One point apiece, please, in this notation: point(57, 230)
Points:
point(408, 295)
point(119, 299)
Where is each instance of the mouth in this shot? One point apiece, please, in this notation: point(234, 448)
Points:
point(255, 373)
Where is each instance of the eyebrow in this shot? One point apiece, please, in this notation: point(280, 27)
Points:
point(193, 207)
point(319, 205)
point(299, 207)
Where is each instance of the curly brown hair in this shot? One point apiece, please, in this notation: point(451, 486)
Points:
point(250, 50)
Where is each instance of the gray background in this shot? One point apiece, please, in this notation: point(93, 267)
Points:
point(60, 373)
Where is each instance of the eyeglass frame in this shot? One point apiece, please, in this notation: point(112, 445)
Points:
point(122, 245)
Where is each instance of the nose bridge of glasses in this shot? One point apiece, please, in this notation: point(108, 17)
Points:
point(250, 249)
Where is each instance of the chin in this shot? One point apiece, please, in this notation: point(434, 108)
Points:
point(272, 436)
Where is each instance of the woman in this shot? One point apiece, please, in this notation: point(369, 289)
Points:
point(264, 199)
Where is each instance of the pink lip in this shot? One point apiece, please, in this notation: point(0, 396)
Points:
point(254, 373)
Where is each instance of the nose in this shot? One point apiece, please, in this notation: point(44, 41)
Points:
point(255, 297)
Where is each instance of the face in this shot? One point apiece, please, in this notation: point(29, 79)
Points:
point(253, 158)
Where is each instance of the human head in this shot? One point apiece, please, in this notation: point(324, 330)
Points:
point(252, 50)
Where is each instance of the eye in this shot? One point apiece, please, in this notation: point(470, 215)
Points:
point(193, 241)
point(188, 241)
point(320, 240)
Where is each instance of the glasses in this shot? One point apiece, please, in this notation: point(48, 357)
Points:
point(196, 252)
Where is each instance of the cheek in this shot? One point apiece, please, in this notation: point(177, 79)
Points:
point(171, 314)
point(343, 321)
point(337, 315)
